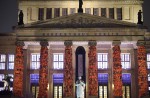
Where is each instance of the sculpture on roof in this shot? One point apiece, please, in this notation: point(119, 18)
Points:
point(80, 10)
point(140, 17)
point(21, 18)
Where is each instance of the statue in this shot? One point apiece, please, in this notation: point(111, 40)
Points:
point(80, 88)
point(80, 10)
point(6, 81)
point(140, 17)
point(21, 18)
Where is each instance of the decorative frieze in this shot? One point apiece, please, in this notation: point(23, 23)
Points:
point(141, 43)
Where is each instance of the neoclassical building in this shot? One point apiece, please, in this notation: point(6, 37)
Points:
point(56, 45)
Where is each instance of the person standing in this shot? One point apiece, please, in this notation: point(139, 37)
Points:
point(80, 88)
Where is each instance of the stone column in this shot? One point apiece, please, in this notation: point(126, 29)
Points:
point(43, 73)
point(93, 73)
point(68, 71)
point(142, 70)
point(18, 70)
point(117, 70)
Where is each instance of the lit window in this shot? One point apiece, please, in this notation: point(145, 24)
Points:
point(34, 78)
point(58, 78)
point(35, 61)
point(148, 61)
point(125, 60)
point(126, 78)
point(2, 61)
point(1, 77)
point(58, 61)
point(102, 60)
point(11, 75)
point(103, 78)
point(10, 61)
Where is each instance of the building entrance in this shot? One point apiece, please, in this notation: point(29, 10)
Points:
point(35, 91)
point(103, 91)
point(126, 91)
point(58, 91)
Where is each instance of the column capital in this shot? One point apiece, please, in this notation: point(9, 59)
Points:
point(92, 43)
point(68, 43)
point(20, 43)
point(44, 43)
point(140, 43)
point(116, 42)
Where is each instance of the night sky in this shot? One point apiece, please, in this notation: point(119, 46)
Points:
point(9, 11)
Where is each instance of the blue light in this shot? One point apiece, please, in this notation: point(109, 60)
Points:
point(102, 78)
point(58, 78)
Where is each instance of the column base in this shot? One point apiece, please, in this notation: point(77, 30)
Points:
point(93, 97)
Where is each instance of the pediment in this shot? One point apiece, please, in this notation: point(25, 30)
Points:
point(80, 20)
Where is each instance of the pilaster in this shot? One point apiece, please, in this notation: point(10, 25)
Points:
point(43, 73)
point(18, 70)
point(68, 70)
point(92, 75)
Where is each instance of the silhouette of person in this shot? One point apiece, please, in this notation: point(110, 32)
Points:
point(80, 88)
point(21, 18)
point(80, 4)
point(140, 17)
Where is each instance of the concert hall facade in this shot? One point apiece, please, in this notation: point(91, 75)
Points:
point(56, 45)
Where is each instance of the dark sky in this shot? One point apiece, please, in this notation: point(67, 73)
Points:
point(9, 11)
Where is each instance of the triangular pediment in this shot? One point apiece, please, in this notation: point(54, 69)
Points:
point(80, 20)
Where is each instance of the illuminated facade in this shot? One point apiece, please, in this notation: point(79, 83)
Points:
point(103, 44)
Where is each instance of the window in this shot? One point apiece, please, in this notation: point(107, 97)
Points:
point(58, 61)
point(64, 11)
point(1, 77)
point(41, 14)
point(56, 12)
point(2, 61)
point(96, 11)
point(126, 78)
point(88, 10)
point(119, 13)
point(125, 60)
point(35, 61)
point(111, 13)
point(148, 61)
point(58, 78)
point(103, 12)
point(10, 61)
point(102, 60)
point(103, 78)
point(149, 82)
point(72, 10)
point(48, 13)
point(34, 78)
